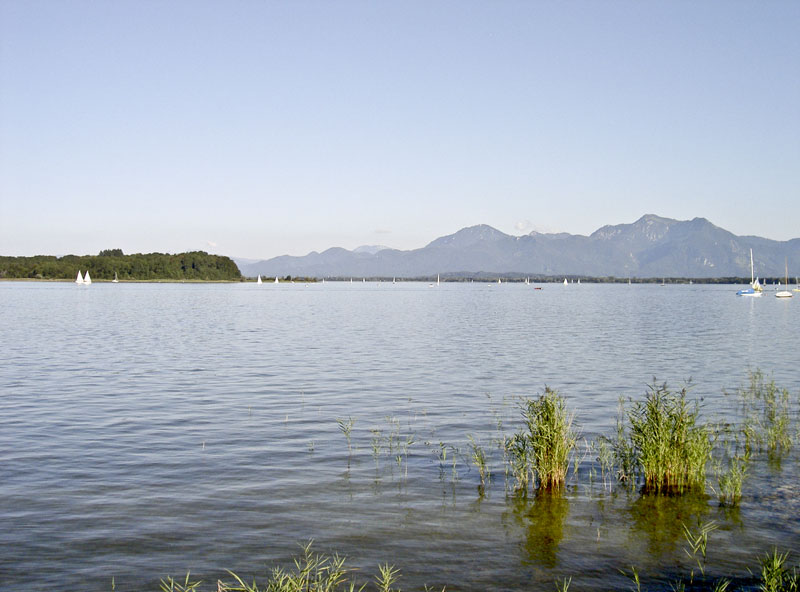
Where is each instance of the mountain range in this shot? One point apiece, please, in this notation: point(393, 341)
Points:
point(650, 247)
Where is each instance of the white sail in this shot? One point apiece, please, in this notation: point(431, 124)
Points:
point(115, 280)
point(258, 281)
point(754, 282)
point(79, 279)
point(785, 293)
point(86, 278)
point(276, 279)
point(566, 282)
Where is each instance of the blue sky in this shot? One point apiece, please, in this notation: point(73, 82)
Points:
point(260, 128)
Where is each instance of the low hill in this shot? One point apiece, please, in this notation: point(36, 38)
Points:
point(195, 265)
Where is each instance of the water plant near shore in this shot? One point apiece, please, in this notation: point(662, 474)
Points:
point(346, 427)
point(312, 572)
point(540, 455)
point(478, 455)
point(320, 572)
point(765, 410)
point(669, 449)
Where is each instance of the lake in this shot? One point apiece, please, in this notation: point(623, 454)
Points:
point(155, 429)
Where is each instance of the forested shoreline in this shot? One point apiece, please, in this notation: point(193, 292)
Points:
point(194, 265)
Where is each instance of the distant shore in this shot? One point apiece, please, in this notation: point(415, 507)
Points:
point(459, 280)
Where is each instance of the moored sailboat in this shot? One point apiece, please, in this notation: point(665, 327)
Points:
point(755, 288)
point(785, 293)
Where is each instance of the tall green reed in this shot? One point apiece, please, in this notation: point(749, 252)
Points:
point(540, 454)
point(670, 448)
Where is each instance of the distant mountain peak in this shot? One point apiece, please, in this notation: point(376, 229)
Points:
point(652, 227)
point(469, 236)
point(370, 249)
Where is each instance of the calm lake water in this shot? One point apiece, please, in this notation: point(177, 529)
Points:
point(152, 429)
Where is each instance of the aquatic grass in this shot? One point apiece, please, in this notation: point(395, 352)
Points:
point(408, 441)
point(313, 571)
point(346, 427)
point(386, 578)
point(634, 578)
point(478, 456)
point(520, 461)
point(541, 454)
point(375, 442)
point(765, 409)
point(775, 576)
point(670, 448)
point(605, 457)
point(721, 585)
point(624, 453)
point(729, 482)
point(698, 543)
point(169, 584)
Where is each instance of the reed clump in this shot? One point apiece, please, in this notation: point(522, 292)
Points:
point(765, 408)
point(540, 454)
point(664, 442)
point(776, 575)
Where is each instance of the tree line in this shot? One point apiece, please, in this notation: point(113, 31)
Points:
point(194, 265)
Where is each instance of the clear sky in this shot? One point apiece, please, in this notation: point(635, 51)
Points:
point(256, 128)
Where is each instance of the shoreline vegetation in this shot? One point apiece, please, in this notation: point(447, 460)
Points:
point(200, 266)
point(108, 264)
point(662, 451)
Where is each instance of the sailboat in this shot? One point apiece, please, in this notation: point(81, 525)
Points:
point(258, 281)
point(115, 280)
point(796, 284)
point(276, 279)
point(566, 283)
point(785, 293)
point(498, 281)
point(86, 279)
point(755, 288)
point(79, 279)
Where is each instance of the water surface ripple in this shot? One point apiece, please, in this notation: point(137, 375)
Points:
point(151, 429)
